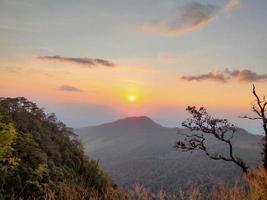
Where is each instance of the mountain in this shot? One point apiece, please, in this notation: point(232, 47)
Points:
point(137, 149)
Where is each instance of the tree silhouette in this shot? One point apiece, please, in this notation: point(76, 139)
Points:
point(259, 107)
point(202, 125)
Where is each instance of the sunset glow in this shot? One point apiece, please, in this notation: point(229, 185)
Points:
point(131, 98)
point(135, 66)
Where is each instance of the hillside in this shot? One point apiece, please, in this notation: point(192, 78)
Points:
point(40, 158)
point(137, 149)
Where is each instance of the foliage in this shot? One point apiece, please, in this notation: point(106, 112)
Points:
point(47, 157)
point(7, 136)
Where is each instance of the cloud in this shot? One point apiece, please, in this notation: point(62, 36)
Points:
point(24, 70)
point(86, 62)
point(69, 88)
point(231, 5)
point(193, 16)
point(246, 75)
point(11, 69)
point(190, 17)
point(243, 75)
point(214, 76)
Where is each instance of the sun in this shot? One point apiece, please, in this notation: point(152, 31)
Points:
point(131, 98)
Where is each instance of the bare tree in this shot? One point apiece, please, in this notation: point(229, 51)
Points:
point(259, 108)
point(201, 125)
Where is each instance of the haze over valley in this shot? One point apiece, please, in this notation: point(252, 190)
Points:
point(137, 149)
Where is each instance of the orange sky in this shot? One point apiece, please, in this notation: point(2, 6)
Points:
point(112, 87)
point(93, 55)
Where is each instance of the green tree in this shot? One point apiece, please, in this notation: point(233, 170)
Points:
point(51, 159)
point(8, 135)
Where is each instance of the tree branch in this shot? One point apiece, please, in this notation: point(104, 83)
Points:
point(202, 124)
point(259, 109)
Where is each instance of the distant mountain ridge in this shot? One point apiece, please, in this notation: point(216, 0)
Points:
point(137, 149)
point(140, 121)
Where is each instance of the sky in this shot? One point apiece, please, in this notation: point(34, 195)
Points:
point(95, 61)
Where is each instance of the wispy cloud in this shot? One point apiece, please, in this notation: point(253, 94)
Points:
point(11, 69)
point(190, 17)
point(69, 88)
point(85, 62)
point(243, 75)
point(24, 70)
point(232, 4)
point(214, 76)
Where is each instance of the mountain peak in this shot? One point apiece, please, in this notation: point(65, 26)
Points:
point(137, 118)
point(134, 122)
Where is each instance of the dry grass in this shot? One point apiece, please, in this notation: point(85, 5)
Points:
point(252, 187)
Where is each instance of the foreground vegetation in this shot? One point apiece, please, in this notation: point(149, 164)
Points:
point(40, 158)
point(252, 186)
